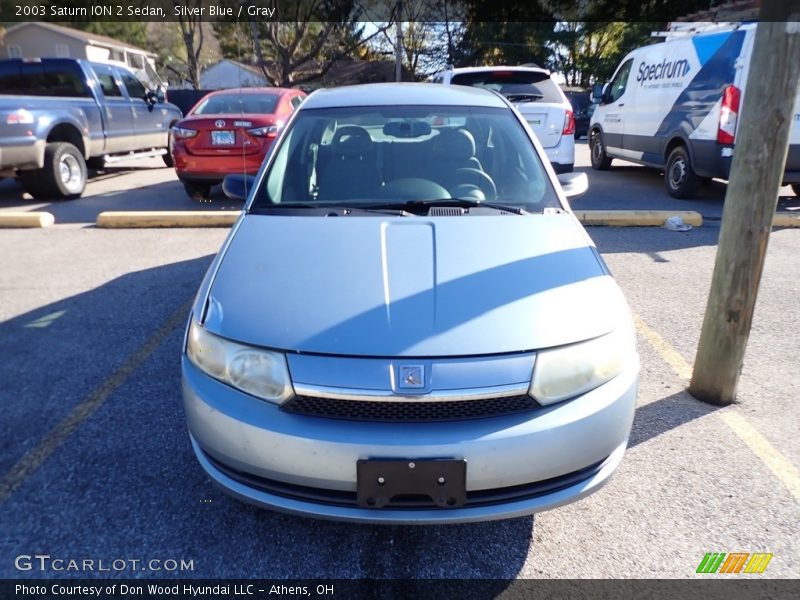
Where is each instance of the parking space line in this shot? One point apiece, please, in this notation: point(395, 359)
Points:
point(34, 458)
point(667, 352)
point(776, 462)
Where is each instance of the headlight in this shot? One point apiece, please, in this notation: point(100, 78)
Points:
point(572, 370)
point(261, 373)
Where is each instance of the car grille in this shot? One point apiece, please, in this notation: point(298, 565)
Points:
point(476, 498)
point(411, 412)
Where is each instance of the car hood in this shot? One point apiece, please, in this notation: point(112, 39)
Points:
point(412, 286)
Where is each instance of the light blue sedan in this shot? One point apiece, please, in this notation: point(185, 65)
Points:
point(408, 324)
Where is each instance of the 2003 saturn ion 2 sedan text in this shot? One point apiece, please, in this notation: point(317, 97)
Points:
point(407, 324)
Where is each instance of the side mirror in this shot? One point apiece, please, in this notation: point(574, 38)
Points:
point(236, 187)
point(161, 94)
point(597, 92)
point(573, 184)
point(150, 98)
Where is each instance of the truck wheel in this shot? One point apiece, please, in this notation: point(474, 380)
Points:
point(600, 160)
point(167, 158)
point(198, 191)
point(63, 176)
point(679, 177)
point(796, 189)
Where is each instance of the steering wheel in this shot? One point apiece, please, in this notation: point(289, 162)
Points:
point(472, 177)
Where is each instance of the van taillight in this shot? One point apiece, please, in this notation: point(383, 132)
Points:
point(728, 114)
point(569, 123)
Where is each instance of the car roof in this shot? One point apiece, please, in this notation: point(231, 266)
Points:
point(251, 90)
point(409, 94)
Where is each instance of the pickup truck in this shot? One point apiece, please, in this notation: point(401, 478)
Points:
point(58, 115)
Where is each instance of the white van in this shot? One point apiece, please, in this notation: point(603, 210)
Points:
point(674, 106)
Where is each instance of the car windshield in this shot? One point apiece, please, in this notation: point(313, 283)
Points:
point(517, 86)
point(387, 156)
point(222, 104)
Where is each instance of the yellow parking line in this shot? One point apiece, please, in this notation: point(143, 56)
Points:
point(769, 455)
point(667, 352)
point(780, 466)
point(34, 458)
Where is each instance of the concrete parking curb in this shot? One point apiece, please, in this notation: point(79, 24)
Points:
point(786, 220)
point(21, 220)
point(637, 218)
point(164, 218)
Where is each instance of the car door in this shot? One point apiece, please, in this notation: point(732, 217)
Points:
point(613, 118)
point(148, 119)
point(118, 115)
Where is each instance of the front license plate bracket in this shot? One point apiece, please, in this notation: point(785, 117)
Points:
point(407, 481)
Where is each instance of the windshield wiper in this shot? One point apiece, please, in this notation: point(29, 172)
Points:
point(328, 206)
point(416, 206)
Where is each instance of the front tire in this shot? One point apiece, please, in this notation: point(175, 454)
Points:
point(63, 176)
point(679, 177)
point(600, 160)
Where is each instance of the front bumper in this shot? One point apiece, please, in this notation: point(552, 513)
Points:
point(307, 465)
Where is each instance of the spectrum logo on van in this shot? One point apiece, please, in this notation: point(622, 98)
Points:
point(664, 70)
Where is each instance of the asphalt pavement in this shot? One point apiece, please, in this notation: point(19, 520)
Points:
point(95, 460)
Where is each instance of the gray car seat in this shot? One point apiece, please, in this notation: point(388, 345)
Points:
point(453, 150)
point(350, 171)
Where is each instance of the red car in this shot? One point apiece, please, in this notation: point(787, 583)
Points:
point(229, 131)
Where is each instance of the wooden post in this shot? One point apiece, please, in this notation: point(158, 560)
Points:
point(758, 163)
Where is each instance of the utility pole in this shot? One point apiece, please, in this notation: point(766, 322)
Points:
point(758, 162)
point(398, 48)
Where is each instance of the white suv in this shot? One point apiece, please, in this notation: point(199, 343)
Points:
point(537, 97)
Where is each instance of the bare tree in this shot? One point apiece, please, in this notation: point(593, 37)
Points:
point(304, 47)
point(191, 28)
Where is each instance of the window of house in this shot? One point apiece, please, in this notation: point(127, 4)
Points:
point(62, 51)
point(14, 52)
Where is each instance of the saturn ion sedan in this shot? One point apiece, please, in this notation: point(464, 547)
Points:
point(407, 324)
